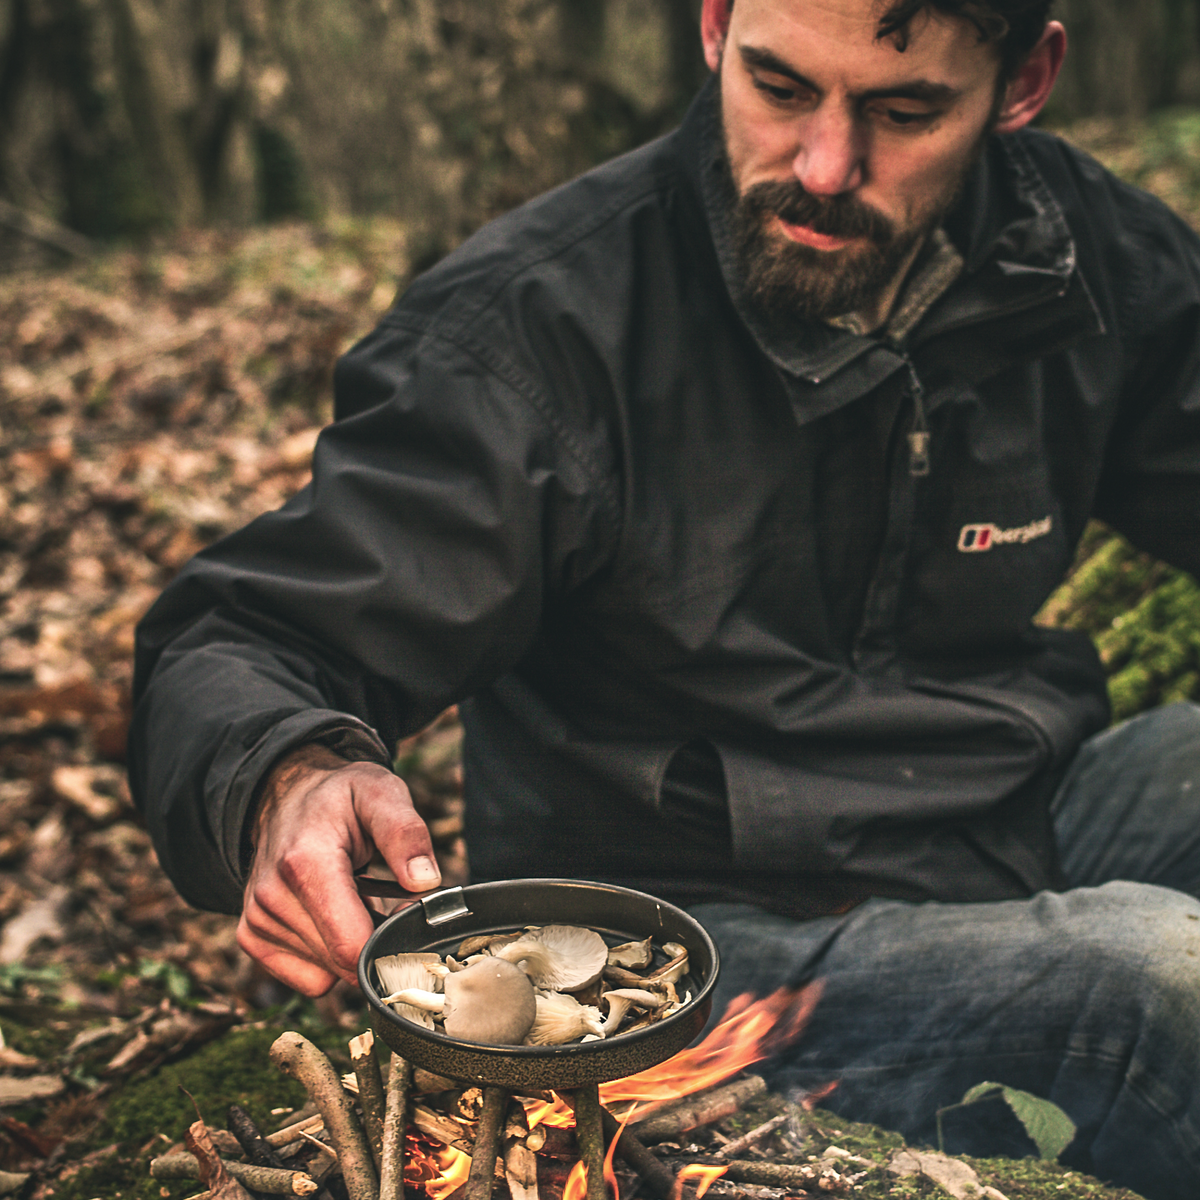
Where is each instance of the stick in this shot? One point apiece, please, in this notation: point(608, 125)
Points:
point(748, 1139)
point(701, 1109)
point(250, 1138)
point(589, 1131)
point(291, 1133)
point(395, 1119)
point(370, 1090)
point(769, 1174)
point(657, 1177)
point(487, 1134)
point(42, 229)
point(274, 1181)
point(520, 1161)
point(295, 1055)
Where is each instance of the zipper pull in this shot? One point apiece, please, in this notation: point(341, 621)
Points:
point(918, 453)
point(919, 437)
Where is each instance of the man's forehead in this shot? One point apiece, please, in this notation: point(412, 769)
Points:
point(804, 32)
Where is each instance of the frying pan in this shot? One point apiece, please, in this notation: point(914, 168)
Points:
point(441, 920)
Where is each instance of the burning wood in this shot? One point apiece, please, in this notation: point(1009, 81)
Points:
point(437, 1137)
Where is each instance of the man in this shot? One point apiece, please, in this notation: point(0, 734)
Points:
point(722, 485)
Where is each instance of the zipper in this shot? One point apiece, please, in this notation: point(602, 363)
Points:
point(918, 436)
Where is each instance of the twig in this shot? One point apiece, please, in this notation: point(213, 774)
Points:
point(520, 1161)
point(292, 1133)
point(274, 1181)
point(295, 1055)
point(395, 1118)
point(657, 1177)
point(370, 1091)
point(250, 1138)
point(589, 1131)
point(487, 1134)
point(748, 1139)
point(701, 1109)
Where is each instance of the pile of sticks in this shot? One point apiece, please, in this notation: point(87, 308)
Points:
point(363, 1143)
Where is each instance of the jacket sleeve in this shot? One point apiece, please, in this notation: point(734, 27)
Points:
point(411, 571)
point(1150, 487)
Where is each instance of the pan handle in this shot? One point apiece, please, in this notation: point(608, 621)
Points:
point(440, 907)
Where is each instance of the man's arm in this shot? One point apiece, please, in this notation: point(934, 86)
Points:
point(410, 573)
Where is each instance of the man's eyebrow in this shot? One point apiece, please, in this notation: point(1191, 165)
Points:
point(916, 89)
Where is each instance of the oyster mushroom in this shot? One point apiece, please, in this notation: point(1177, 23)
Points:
point(631, 954)
point(489, 1001)
point(620, 1000)
point(558, 958)
point(398, 972)
point(561, 1018)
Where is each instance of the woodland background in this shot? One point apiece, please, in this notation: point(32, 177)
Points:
point(202, 203)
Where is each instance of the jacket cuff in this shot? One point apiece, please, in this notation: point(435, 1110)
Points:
point(345, 735)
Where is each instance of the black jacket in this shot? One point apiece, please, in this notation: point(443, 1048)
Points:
point(713, 635)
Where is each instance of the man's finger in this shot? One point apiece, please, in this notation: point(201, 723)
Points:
point(323, 884)
point(398, 833)
point(304, 976)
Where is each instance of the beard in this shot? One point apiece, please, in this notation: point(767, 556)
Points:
point(785, 277)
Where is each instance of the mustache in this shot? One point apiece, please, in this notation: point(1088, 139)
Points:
point(836, 216)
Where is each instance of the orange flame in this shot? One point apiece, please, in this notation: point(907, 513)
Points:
point(438, 1169)
point(748, 1032)
point(610, 1176)
point(576, 1187)
point(556, 1113)
point(706, 1175)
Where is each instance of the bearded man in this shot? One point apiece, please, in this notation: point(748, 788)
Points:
point(721, 487)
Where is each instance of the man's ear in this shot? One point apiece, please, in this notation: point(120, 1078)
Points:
point(1026, 95)
point(714, 25)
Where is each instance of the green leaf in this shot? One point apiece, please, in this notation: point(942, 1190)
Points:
point(1049, 1128)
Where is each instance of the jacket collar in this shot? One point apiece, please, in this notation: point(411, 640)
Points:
point(1011, 231)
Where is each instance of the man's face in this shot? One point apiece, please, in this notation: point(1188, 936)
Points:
point(845, 152)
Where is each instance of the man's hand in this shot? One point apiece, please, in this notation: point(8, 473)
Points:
point(320, 819)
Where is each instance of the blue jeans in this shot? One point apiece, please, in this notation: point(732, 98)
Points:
point(1089, 997)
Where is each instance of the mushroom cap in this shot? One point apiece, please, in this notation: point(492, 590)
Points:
point(559, 958)
point(561, 1018)
point(399, 972)
point(631, 954)
point(489, 1001)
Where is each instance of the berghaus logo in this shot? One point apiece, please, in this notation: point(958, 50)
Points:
point(975, 539)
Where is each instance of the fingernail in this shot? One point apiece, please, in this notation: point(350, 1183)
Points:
point(422, 869)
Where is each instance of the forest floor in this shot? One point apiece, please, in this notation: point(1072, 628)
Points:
point(151, 400)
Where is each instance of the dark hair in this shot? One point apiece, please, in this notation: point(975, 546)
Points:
point(1015, 24)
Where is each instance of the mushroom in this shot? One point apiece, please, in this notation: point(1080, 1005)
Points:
point(398, 972)
point(619, 1002)
point(489, 1001)
point(631, 954)
point(561, 1018)
point(674, 970)
point(558, 958)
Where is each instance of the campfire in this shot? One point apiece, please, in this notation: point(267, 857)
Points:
point(390, 1131)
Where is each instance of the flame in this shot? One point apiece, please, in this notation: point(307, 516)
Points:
point(706, 1175)
point(749, 1031)
point(610, 1176)
point(576, 1186)
point(436, 1168)
point(557, 1113)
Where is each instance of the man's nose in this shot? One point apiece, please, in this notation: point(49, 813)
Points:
point(830, 158)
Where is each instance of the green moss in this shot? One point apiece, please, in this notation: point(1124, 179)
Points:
point(236, 1068)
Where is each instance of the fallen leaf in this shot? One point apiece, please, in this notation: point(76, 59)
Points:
point(39, 918)
point(32, 1087)
point(950, 1174)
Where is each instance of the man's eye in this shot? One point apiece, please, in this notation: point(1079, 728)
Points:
point(904, 119)
point(779, 93)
